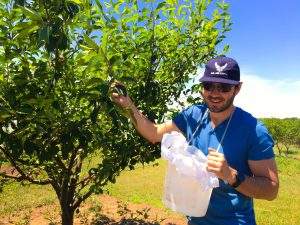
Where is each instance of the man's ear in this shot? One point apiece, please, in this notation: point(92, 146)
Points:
point(237, 88)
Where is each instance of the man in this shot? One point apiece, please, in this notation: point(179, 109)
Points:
point(238, 147)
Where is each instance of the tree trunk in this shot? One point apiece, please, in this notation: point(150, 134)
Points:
point(279, 148)
point(287, 147)
point(67, 214)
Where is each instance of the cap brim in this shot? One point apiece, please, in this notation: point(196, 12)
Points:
point(218, 80)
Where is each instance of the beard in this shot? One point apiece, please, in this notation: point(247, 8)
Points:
point(214, 107)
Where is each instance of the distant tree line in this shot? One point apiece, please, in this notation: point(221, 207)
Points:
point(285, 132)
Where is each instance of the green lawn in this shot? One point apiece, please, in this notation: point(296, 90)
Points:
point(145, 185)
point(285, 209)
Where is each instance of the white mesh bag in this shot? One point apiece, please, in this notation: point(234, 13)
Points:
point(188, 185)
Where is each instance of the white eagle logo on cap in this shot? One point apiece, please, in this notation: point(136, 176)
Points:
point(220, 68)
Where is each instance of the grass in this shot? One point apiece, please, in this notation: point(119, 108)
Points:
point(17, 197)
point(145, 185)
point(285, 209)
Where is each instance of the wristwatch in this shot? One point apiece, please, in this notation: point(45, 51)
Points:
point(239, 178)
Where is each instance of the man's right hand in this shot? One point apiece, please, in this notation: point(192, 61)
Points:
point(149, 130)
point(119, 95)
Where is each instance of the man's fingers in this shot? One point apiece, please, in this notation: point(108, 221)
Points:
point(115, 95)
point(212, 151)
point(214, 155)
point(121, 89)
point(219, 158)
point(215, 162)
point(118, 87)
point(213, 169)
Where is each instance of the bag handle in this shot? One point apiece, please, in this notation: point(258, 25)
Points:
point(201, 122)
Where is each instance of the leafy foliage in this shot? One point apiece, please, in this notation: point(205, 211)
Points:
point(285, 132)
point(58, 59)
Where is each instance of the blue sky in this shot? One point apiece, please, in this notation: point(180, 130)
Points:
point(265, 36)
point(265, 40)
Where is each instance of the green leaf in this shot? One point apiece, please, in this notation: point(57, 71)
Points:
point(90, 42)
point(86, 48)
point(117, 6)
point(223, 6)
point(33, 15)
point(4, 115)
point(93, 82)
point(104, 42)
point(99, 5)
point(21, 26)
point(182, 7)
point(160, 5)
point(172, 2)
point(25, 32)
point(114, 59)
point(79, 2)
point(226, 49)
point(44, 34)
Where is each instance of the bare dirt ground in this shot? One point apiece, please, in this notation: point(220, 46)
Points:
point(9, 170)
point(106, 210)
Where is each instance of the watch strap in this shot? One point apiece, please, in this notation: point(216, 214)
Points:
point(239, 178)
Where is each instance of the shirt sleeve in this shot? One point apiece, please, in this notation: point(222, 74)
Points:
point(181, 120)
point(261, 146)
point(188, 120)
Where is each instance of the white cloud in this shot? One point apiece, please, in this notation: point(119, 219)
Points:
point(265, 97)
point(269, 98)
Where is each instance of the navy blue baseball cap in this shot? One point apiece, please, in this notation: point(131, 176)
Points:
point(221, 69)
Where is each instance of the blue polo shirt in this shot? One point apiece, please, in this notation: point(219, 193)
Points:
point(246, 139)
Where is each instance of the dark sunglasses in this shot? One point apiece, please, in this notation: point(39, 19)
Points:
point(220, 87)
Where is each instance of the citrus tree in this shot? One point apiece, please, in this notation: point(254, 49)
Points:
point(285, 132)
point(58, 60)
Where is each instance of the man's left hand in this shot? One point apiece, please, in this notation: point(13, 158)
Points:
point(217, 164)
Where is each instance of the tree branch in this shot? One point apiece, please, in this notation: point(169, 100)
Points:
point(73, 180)
point(82, 198)
point(72, 159)
point(83, 183)
point(23, 176)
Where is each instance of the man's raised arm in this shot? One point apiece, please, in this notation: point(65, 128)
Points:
point(151, 131)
